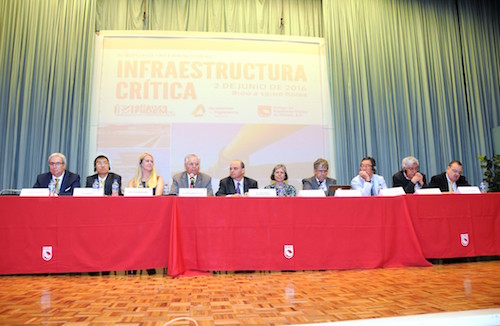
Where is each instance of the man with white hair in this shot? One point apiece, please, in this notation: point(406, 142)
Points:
point(409, 176)
point(65, 181)
point(191, 177)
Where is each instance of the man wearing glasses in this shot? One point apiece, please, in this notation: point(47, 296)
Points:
point(367, 181)
point(319, 180)
point(450, 180)
point(104, 178)
point(65, 181)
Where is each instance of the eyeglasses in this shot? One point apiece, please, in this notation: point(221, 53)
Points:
point(56, 163)
point(366, 165)
point(101, 163)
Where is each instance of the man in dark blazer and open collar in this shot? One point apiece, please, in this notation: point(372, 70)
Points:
point(66, 181)
point(192, 175)
point(236, 179)
point(102, 167)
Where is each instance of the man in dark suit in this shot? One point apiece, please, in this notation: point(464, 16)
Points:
point(103, 177)
point(65, 181)
point(409, 176)
point(236, 184)
point(319, 180)
point(451, 179)
point(192, 177)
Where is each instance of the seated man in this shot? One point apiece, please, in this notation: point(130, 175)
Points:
point(409, 177)
point(367, 181)
point(236, 184)
point(451, 179)
point(319, 180)
point(65, 181)
point(192, 177)
point(104, 176)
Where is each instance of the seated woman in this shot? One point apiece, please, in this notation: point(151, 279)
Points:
point(279, 176)
point(146, 176)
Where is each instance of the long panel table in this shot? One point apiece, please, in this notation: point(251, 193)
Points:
point(194, 235)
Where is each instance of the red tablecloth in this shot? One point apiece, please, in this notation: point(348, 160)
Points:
point(453, 225)
point(319, 233)
point(65, 234)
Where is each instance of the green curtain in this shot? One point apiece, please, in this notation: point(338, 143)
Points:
point(401, 84)
point(300, 17)
point(480, 33)
point(45, 65)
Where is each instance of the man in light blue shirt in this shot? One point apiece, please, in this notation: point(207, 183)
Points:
point(367, 181)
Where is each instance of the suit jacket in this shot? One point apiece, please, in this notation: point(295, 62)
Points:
point(70, 181)
point(226, 186)
point(440, 181)
point(312, 183)
point(108, 184)
point(399, 180)
point(180, 180)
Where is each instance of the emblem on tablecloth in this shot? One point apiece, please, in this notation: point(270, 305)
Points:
point(288, 251)
point(47, 253)
point(464, 239)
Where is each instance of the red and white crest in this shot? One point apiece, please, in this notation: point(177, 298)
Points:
point(288, 251)
point(47, 253)
point(464, 239)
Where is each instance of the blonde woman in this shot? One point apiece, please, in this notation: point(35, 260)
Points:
point(146, 175)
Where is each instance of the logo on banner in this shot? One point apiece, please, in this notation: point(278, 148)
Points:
point(288, 251)
point(199, 111)
point(464, 239)
point(264, 111)
point(47, 253)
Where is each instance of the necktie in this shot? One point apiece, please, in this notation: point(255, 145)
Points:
point(57, 186)
point(451, 187)
point(101, 184)
point(191, 185)
point(238, 188)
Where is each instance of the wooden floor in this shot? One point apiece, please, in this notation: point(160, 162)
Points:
point(275, 298)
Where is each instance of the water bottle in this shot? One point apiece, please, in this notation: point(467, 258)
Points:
point(166, 190)
point(418, 186)
point(52, 188)
point(280, 192)
point(482, 187)
point(115, 188)
point(95, 185)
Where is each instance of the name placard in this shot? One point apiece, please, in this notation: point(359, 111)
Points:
point(391, 192)
point(138, 192)
point(34, 192)
point(192, 192)
point(261, 193)
point(87, 192)
point(348, 193)
point(468, 190)
point(311, 193)
point(428, 191)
